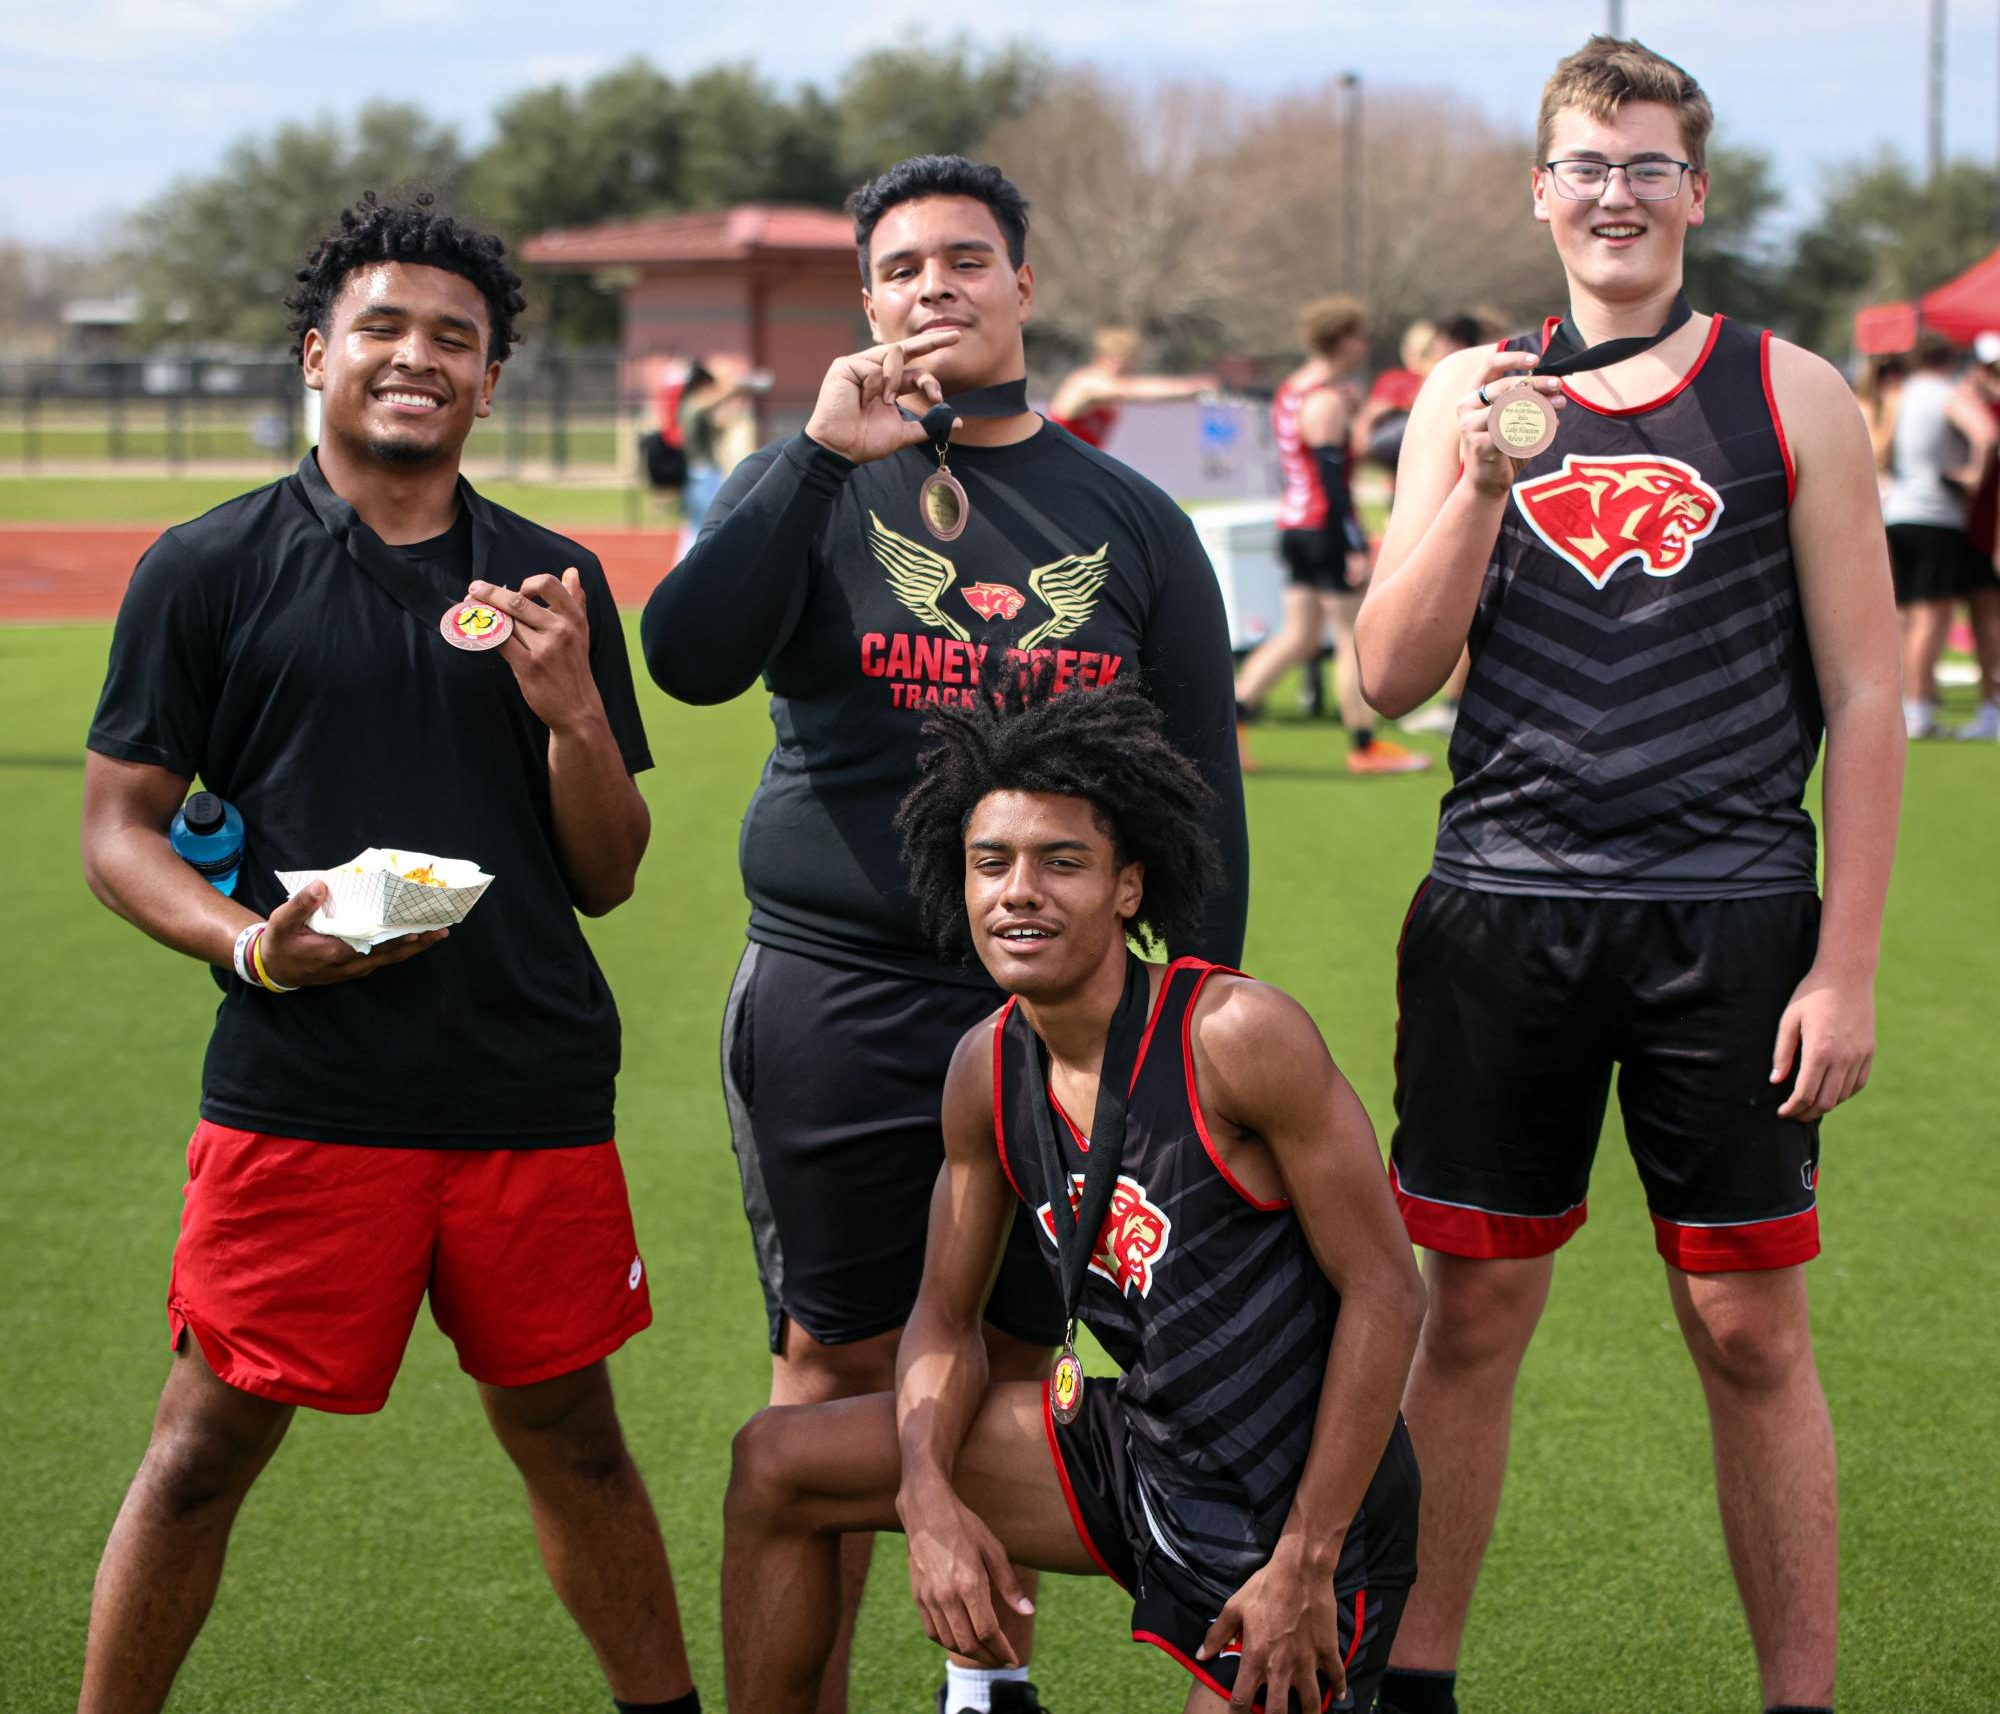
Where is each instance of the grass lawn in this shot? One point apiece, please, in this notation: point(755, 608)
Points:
point(386, 1563)
point(164, 500)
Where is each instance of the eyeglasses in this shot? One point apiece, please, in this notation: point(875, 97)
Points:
point(1650, 181)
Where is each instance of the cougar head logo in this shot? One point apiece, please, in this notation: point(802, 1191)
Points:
point(1597, 513)
point(1131, 1243)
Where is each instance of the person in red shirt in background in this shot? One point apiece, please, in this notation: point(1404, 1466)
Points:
point(1378, 437)
point(1319, 536)
point(1982, 526)
point(1087, 403)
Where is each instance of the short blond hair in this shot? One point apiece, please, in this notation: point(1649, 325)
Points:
point(1605, 73)
point(1325, 322)
point(1119, 344)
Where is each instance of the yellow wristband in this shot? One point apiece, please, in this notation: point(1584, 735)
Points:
point(263, 975)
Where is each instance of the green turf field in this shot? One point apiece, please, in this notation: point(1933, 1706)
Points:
point(164, 500)
point(386, 1564)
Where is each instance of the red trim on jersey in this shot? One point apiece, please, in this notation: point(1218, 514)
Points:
point(1194, 1099)
point(999, 1114)
point(1069, 1493)
point(1145, 1042)
point(1754, 1246)
point(1673, 392)
point(1483, 1234)
point(1206, 1677)
point(1777, 422)
point(1360, 1615)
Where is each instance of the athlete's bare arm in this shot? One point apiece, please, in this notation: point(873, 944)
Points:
point(1967, 413)
point(957, 1565)
point(1452, 485)
point(1845, 589)
point(1289, 1125)
point(1085, 389)
point(135, 872)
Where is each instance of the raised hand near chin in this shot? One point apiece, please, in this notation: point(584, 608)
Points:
point(856, 413)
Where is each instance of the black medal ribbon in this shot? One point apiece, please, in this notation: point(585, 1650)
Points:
point(1569, 354)
point(371, 556)
point(941, 500)
point(1077, 1227)
point(1002, 399)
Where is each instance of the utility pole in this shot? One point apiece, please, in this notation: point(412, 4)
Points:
point(1934, 150)
point(1614, 21)
point(1355, 276)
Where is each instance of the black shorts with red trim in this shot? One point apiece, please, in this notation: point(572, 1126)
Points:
point(1513, 1012)
point(1175, 1600)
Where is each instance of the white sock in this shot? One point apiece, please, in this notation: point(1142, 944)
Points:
point(972, 1686)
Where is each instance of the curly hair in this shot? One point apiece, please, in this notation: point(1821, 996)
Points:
point(374, 231)
point(1108, 747)
point(939, 175)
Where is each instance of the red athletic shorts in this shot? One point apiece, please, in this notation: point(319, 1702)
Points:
point(300, 1265)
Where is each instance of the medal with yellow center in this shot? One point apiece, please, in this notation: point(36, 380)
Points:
point(475, 625)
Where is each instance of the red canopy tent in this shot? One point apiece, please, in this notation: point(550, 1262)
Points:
point(1960, 309)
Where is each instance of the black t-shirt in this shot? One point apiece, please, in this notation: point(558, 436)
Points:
point(256, 648)
point(819, 575)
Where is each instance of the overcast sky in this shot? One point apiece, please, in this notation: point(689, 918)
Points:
point(102, 102)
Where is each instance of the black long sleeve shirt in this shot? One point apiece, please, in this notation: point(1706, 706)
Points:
point(818, 575)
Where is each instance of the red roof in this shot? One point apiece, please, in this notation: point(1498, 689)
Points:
point(751, 230)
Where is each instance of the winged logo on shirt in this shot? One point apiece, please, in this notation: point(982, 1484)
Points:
point(921, 578)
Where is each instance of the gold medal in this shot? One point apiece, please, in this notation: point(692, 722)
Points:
point(1521, 421)
point(942, 505)
point(1066, 1385)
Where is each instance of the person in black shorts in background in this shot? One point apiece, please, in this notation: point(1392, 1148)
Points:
point(1666, 608)
point(1324, 547)
point(816, 571)
point(1245, 1478)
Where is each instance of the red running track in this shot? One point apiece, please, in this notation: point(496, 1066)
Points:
point(53, 575)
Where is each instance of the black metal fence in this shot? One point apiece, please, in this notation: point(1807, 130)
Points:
point(556, 414)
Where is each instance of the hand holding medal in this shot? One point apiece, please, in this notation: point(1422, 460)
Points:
point(1519, 403)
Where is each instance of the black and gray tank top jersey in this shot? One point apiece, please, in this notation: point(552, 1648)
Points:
point(1208, 1299)
point(1642, 716)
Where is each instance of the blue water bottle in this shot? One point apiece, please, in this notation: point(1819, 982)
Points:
point(208, 833)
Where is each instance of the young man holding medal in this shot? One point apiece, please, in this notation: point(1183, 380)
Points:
point(1666, 556)
point(865, 569)
point(368, 653)
point(1223, 1226)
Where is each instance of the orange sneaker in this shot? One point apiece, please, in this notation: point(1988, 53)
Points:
point(1245, 758)
point(1384, 757)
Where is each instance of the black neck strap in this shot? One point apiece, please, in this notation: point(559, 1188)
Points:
point(1568, 354)
point(1002, 399)
point(1077, 1226)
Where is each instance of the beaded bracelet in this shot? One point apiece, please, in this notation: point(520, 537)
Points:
point(263, 975)
point(240, 954)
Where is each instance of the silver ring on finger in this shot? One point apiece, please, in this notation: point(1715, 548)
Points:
point(1481, 394)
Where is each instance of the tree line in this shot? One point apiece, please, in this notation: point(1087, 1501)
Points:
point(1198, 215)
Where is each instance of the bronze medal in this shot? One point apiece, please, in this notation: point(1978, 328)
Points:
point(1521, 421)
point(1066, 1386)
point(474, 625)
point(942, 505)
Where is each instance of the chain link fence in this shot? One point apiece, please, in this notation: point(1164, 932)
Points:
point(557, 415)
